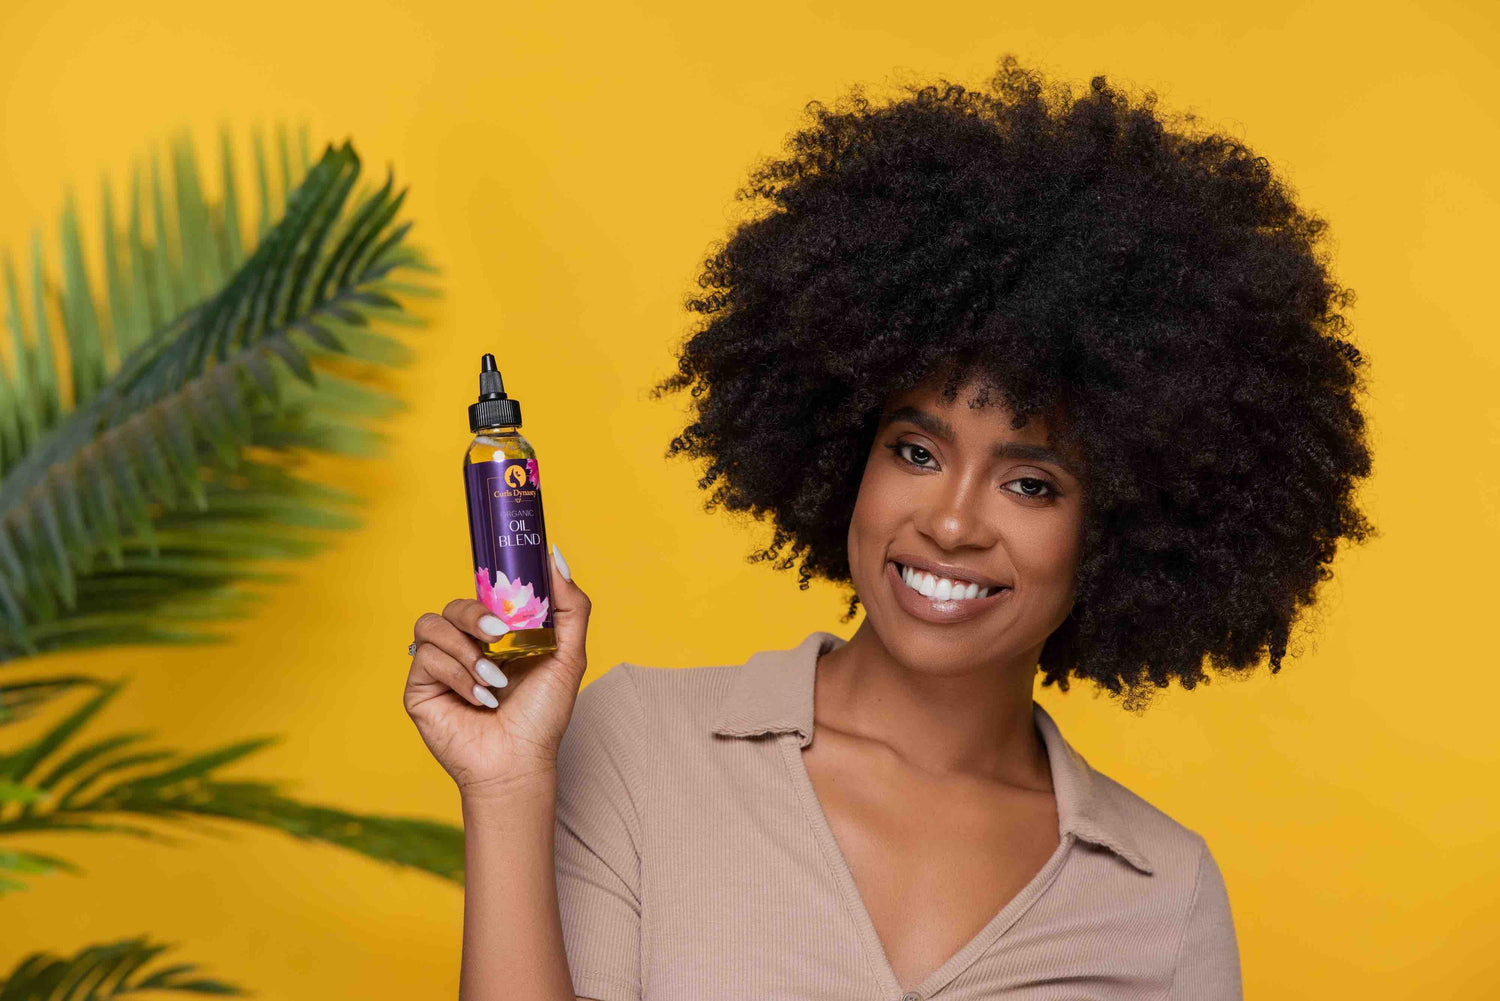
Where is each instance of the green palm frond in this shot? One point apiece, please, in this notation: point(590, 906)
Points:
point(17, 863)
point(104, 971)
point(112, 783)
point(20, 699)
point(126, 498)
point(145, 437)
point(259, 512)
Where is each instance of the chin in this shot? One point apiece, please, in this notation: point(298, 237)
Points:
point(936, 650)
point(934, 638)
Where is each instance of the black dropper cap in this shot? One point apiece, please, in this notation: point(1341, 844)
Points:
point(494, 407)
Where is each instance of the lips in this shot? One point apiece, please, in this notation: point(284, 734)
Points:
point(940, 611)
point(950, 570)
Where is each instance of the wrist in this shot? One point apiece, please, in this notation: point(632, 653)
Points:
point(539, 783)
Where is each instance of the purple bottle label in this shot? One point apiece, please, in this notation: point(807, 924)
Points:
point(511, 573)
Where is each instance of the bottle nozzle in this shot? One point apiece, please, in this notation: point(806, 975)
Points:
point(493, 408)
point(490, 385)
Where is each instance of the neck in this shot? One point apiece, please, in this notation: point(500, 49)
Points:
point(952, 723)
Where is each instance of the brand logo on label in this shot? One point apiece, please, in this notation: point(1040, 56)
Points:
point(515, 476)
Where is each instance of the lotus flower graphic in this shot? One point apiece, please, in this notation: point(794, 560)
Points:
point(531, 476)
point(511, 600)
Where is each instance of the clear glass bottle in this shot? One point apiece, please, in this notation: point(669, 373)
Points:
point(508, 536)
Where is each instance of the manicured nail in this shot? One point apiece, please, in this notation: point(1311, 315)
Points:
point(562, 564)
point(491, 674)
point(493, 625)
point(486, 696)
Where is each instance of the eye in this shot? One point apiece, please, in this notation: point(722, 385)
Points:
point(1035, 482)
point(1035, 487)
point(919, 454)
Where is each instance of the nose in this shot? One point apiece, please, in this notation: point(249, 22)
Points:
point(954, 515)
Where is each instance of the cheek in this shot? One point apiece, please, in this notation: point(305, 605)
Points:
point(1047, 552)
point(876, 510)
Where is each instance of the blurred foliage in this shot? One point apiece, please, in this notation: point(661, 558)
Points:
point(146, 471)
point(103, 971)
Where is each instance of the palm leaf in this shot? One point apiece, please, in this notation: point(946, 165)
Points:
point(13, 863)
point(104, 971)
point(18, 766)
point(115, 500)
point(142, 479)
point(109, 784)
point(20, 699)
point(157, 592)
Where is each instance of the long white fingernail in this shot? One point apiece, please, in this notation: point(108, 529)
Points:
point(486, 696)
point(491, 674)
point(493, 625)
point(562, 564)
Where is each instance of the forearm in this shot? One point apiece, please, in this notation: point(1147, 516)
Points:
point(513, 942)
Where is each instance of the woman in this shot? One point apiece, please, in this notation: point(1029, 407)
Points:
point(1051, 387)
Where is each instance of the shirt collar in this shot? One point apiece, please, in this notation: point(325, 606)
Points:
point(772, 692)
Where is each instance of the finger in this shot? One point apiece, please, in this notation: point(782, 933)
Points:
point(440, 631)
point(432, 666)
point(474, 617)
point(570, 614)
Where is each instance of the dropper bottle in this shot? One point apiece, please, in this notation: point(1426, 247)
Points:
point(512, 571)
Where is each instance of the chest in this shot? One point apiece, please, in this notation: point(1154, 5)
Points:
point(933, 861)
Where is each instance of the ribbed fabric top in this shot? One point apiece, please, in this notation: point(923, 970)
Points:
point(695, 863)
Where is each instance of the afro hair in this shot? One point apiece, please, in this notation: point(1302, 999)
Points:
point(1158, 285)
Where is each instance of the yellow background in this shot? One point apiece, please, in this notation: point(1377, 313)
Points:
point(569, 166)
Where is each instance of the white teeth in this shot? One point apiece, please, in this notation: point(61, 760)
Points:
point(941, 588)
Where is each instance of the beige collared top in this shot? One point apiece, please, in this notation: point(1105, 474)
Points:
point(694, 863)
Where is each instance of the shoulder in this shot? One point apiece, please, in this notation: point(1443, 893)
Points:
point(1190, 889)
point(659, 696)
point(643, 704)
point(1186, 873)
point(1107, 810)
point(1186, 890)
point(633, 726)
point(1160, 834)
point(607, 703)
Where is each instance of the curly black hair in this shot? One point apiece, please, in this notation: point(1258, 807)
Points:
point(1158, 285)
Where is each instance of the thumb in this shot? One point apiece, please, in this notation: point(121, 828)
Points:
point(570, 615)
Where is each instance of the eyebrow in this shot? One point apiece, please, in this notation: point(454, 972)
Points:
point(1001, 450)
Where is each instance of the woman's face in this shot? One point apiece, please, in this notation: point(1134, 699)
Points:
point(956, 492)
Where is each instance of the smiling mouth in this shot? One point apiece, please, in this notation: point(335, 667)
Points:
point(943, 588)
